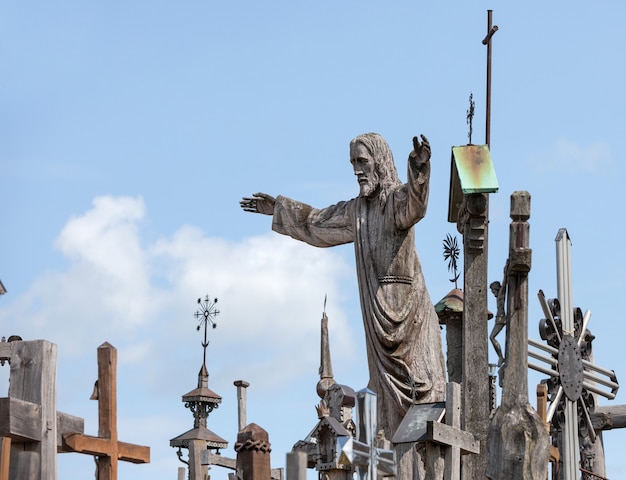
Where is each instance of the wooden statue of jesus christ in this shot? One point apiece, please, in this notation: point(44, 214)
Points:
point(401, 327)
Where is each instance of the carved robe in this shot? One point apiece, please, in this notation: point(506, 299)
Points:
point(401, 327)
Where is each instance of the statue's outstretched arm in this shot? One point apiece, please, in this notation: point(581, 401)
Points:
point(258, 203)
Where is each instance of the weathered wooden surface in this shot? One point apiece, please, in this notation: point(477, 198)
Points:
point(450, 438)
point(609, 417)
point(106, 446)
point(475, 412)
point(542, 411)
point(33, 380)
point(517, 442)
point(28, 420)
point(401, 326)
point(19, 420)
point(253, 453)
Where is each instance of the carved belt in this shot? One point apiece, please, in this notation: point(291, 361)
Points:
point(396, 279)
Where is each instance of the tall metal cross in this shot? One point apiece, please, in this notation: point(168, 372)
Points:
point(573, 379)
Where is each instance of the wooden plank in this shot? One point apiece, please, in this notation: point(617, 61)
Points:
point(98, 446)
point(20, 420)
point(5, 457)
point(29, 466)
point(67, 424)
point(447, 435)
point(33, 379)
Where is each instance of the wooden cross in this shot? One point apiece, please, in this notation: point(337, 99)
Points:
point(455, 441)
point(106, 446)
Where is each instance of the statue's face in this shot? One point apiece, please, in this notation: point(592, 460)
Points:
point(365, 170)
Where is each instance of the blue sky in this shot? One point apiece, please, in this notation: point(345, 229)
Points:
point(130, 130)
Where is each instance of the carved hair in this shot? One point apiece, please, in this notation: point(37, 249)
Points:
point(383, 158)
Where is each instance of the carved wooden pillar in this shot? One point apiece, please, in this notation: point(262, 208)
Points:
point(253, 453)
point(518, 443)
point(475, 331)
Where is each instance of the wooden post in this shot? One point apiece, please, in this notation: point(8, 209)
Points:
point(106, 446)
point(517, 442)
point(296, 465)
point(253, 453)
point(33, 380)
point(542, 411)
point(29, 421)
point(475, 332)
point(5, 455)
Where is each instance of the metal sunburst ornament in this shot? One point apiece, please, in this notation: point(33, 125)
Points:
point(206, 315)
point(451, 252)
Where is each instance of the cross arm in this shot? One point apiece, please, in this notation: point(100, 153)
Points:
point(98, 446)
point(450, 436)
point(20, 420)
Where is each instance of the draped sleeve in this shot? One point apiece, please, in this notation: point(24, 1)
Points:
point(324, 227)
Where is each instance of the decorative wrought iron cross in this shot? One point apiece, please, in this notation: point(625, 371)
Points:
point(206, 315)
point(573, 378)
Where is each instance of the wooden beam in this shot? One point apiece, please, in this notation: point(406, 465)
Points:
point(20, 420)
point(607, 418)
point(447, 435)
point(98, 446)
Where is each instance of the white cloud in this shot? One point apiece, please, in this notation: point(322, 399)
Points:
point(566, 156)
point(141, 299)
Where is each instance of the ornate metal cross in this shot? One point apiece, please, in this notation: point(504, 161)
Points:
point(573, 377)
point(206, 315)
point(371, 461)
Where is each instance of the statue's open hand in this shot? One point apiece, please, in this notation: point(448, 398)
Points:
point(421, 151)
point(258, 203)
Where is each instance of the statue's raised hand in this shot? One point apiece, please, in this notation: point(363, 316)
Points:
point(258, 203)
point(421, 151)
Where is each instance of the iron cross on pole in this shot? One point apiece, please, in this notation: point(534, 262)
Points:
point(206, 314)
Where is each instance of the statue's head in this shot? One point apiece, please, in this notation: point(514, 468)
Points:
point(373, 165)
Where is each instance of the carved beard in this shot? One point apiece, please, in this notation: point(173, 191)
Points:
point(370, 187)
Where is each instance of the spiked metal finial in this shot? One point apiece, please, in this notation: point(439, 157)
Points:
point(206, 314)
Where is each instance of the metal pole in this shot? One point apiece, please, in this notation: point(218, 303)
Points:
point(564, 288)
point(487, 41)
